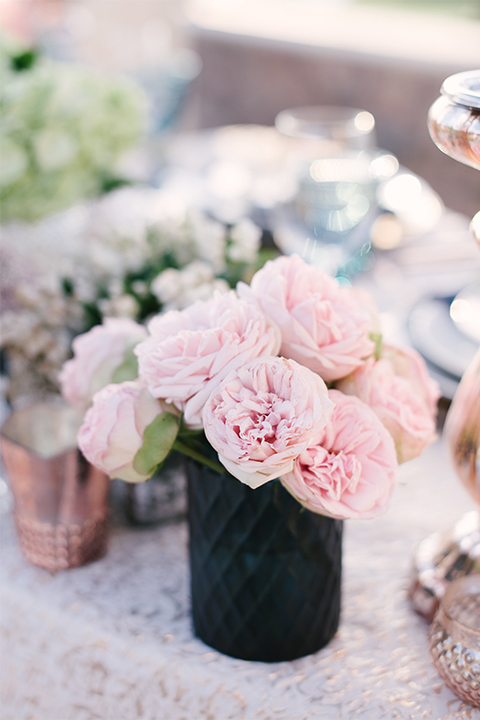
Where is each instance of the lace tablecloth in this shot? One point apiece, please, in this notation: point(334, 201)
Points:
point(113, 640)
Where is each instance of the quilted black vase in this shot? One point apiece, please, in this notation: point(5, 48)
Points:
point(265, 572)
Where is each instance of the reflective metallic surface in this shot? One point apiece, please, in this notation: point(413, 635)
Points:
point(60, 500)
point(462, 429)
point(454, 118)
point(455, 639)
point(440, 559)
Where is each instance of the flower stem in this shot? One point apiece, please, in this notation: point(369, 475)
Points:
point(199, 457)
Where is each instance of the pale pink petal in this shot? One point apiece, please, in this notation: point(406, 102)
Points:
point(349, 470)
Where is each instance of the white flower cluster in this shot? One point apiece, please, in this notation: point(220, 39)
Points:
point(63, 128)
point(177, 289)
point(133, 227)
point(38, 335)
point(131, 253)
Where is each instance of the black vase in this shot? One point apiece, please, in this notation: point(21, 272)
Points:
point(265, 572)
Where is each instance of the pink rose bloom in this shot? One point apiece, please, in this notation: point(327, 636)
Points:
point(112, 430)
point(189, 352)
point(324, 326)
point(349, 470)
point(96, 355)
point(399, 390)
point(263, 416)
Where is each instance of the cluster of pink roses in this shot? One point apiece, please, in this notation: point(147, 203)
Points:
point(249, 368)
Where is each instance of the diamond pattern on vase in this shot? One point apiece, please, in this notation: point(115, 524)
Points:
point(265, 572)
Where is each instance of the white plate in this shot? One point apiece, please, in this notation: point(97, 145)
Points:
point(437, 338)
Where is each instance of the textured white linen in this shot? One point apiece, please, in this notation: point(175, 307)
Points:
point(113, 640)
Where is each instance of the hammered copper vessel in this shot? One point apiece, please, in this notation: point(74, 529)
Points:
point(61, 501)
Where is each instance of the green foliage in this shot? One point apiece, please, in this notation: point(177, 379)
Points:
point(92, 315)
point(108, 183)
point(128, 370)
point(62, 130)
point(158, 439)
point(68, 286)
point(24, 60)
point(377, 338)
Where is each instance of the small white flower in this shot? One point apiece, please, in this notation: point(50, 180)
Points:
point(245, 244)
point(139, 287)
point(124, 306)
point(196, 273)
point(54, 148)
point(204, 291)
point(209, 239)
point(167, 286)
point(14, 161)
point(115, 288)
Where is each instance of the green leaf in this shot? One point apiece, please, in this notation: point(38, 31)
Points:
point(108, 183)
point(128, 370)
point(24, 60)
point(67, 286)
point(378, 340)
point(92, 315)
point(158, 440)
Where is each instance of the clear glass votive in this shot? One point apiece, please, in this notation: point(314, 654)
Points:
point(455, 639)
point(331, 153)
point(60, 501)
point(332, 129)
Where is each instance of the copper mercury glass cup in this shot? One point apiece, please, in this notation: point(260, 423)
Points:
point(60, 500)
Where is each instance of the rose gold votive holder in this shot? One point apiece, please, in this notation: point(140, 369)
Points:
point(60, 500)
point(455, 638)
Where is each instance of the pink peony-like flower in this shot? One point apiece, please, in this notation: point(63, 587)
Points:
point(96, 355)
point(349, 470)
point(324, 326)
point(263, 416)
point(189, 352)
point(112, 430)
point(399, 390)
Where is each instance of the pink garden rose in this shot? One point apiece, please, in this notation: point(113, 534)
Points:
point(399, 390)
point(349, 470)
point(112, 430)
point(96, 355)
point(263, 416)
point(189, 352)
point(324, 326)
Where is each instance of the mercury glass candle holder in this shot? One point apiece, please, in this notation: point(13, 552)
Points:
point(60, 501)
point(454, 125)
point(455, 639)
point(454, 118)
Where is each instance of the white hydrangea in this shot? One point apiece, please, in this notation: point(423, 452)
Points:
point(63, 129)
